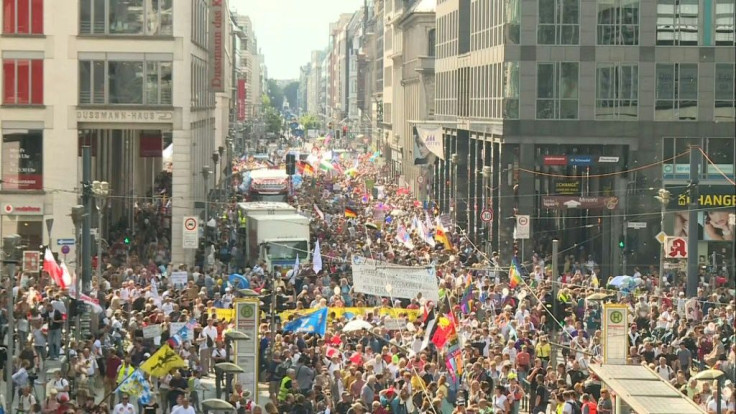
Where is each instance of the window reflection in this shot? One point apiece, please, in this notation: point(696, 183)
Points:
point(557, 90)
point(126, 17)
point(724, 22)
point(125, 82)
point(677, 22)
point(676, 92)
point(618, 22)
point(617, 91)
point(725, 92)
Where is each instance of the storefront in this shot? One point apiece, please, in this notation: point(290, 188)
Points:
point(23, 215)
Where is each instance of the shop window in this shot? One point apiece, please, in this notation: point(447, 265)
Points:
point(22, 159)
point(23, 17)
point(23, 81)
point(126, 17)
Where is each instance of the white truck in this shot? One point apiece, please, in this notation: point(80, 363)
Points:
point(275, 234)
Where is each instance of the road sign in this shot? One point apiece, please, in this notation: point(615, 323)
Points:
point(486, 215)
point(65, 242)
point(190, 233)
point(637, 225)
point(31, 260)
point(523, 228)
point(615, 324)
point(661, 237)
point(420, 179)
point(65, 249)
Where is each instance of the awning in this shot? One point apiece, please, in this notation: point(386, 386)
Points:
point(643, 390)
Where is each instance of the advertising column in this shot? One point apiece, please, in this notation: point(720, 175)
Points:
point(247, 320)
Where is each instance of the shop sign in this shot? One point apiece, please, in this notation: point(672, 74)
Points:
point(580, 160)
point(24, 209)
point(682, 171)
point(567, 187)
point(124, 115)
point(603, 159)
point(568, 202)
point(217, 46)
point(555, 160)
point(241, 103)
point(22, 160)
point(709, 196)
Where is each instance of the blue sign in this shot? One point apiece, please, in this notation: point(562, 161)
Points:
point(294, 125)
point(65, 242)
point(580, 160)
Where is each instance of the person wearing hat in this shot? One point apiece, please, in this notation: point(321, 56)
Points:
point(356, 408)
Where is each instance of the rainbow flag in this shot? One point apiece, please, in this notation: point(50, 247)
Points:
point(441, 236)
point(350, 213)
point(454, 358)
point(466, 301)
point(514, 274)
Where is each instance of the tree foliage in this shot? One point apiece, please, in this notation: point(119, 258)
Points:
point(290, 92)
point(275, 94)
point(273, 120)
point(309, 121)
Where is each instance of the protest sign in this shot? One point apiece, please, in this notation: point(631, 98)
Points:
point(402, 282)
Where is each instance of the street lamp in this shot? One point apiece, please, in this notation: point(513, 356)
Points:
point(206, 176)
point(454, 159)
point(663, 196)
point(100, 190)
point(215, 159)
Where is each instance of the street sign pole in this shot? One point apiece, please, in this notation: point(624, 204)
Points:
point(692, 224)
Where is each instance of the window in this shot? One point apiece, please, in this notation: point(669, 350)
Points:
point(676, 92)
point(511, 90)
point(724, 22)
point(618, 22)
point(22, 159)
point(677, 22)
point(126, 17)
point(559, 22)
point(431, 42)
point(513, 21)
point(200, 25)
point(617, 91)
point(725, 92)
point(23, 81)
point(557, 90)
point(23, 17)
point(122, 82)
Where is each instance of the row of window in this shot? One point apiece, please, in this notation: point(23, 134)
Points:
point(678, 23)
point(494, 91)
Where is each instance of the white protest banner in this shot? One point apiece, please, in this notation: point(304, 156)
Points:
point(179, 279)
point(402, 282)
point(431, 137)
point(151, 331)
point(394, 324)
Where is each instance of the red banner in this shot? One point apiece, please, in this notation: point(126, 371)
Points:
point(555, 160)
point(241, 99)
point(151, 145)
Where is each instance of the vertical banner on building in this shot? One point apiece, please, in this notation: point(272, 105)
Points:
point(523, 227)
point(217, 46)
point(431, 138)
point(247, 321)
point(615, 339)
point(241, 99)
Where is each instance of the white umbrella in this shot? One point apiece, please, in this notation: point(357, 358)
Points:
point(357, 325)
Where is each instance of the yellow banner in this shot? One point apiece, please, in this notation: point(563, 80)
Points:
point(163, 361)
point(337, 313)
point(227, 314)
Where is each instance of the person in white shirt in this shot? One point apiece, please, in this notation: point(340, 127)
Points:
point(206, 343)
point(124, 406)
point(27, 400)
point(184, 408)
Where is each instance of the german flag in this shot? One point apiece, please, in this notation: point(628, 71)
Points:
point(308, 169)
point(350, 213)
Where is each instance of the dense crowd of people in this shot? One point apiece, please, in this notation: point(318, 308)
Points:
point(489, 345)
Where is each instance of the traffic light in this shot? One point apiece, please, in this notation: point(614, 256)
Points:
point(126, 240)
point(622, 242)
point(11, 248)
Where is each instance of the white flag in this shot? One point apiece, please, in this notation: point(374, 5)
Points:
point(316, 259)
point(295, 272)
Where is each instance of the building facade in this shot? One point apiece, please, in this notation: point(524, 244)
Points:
point(569, 103)
point(126, 81)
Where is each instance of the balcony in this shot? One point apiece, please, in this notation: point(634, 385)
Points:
point(425, 65)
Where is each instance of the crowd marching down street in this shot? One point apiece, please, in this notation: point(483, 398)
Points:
point(391, 311)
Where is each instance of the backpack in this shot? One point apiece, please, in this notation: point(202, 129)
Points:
point(575, 407)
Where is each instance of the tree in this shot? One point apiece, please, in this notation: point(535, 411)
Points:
point(290, 94)
point(275, 94)
point(309, 121)
point(273, 120)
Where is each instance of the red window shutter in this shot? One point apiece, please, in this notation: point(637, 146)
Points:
point(24, 82)
point(37, 16)
point(8, 16)
point(9, 81)
point(37, 82)
point(24, 16)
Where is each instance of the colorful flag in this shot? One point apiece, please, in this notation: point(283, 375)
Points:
point(182, 335)
point(94, 303)
point(308, 169)
point(466, 301)
point(514, 274)
point(69, 279)
point(136, 385)
point(454, 358)
point(162, 362)
point(316, 258)
point(445, 330)
point(441, 236)
point(338, 167)
point(315, 322)
point(350, 212)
